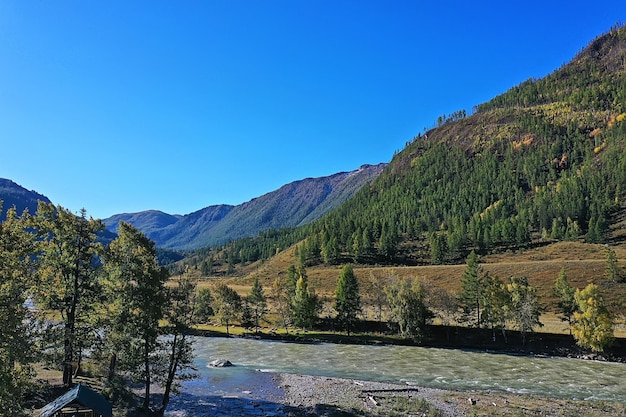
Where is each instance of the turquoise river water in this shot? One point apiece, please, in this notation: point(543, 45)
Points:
point(431, 367)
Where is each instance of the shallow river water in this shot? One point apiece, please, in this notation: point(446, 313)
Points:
point(431, 367)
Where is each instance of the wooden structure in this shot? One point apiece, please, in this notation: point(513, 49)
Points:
point(80, 401)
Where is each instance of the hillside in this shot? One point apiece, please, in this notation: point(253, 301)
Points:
point(541, 165)
point(293, 204)
point(14, 195)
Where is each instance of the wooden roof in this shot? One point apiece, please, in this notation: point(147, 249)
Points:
point(82, 395)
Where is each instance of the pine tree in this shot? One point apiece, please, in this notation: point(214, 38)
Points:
point(473, 287)
point(16, 352)
point(68, 272)
point(610, 271)
point(137, 301)
point(305, 304)
point(347, 299)
point(258, 303)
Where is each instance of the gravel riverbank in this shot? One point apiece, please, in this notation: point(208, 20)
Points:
point(306, 395)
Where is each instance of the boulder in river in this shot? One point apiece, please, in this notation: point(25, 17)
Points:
point(220, 363)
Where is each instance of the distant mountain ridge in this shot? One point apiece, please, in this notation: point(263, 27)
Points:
point(14, 195)
point(293, 204)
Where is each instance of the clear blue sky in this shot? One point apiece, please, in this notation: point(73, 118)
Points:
point(124, 106)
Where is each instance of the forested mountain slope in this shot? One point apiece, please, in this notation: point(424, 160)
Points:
point(293, 204)
point(14, 195)
point(544, 161)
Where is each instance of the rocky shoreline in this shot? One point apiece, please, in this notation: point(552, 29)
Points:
point(307, 395)
point(294, 395)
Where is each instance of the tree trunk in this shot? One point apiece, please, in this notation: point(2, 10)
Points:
point(146, 359)
point(112, 366)
point(171, 374)
point(68, 348)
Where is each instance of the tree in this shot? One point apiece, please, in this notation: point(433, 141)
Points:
point(566, 302)
point(347, 299)
point(208, 267)
point(283, 301)
point(258, 303)
point(406, 301)
point(525, 308)
point(68, 272)
point(227, 305)
point(444, 305)
point(473, 284)
point(305, 304)
point(204, 305)
point(593, 325)
point(497, 303)
point(178, 346)
point(388, 241)
point(137, 296)
point(16, 344)
point(376, 296)
point(438, 247)
point(611, 272)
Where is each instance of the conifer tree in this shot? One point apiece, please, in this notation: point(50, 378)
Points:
point(68, 277)
point(473, 287)
point(610, 271)
point(258, 303)
point(16, 344)
point(305, 304)
point(347, 299)
point(137, 301)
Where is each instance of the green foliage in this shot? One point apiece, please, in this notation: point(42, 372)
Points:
point(497, 304)
point(178, 346)
point(16, 342)
point(524, 307)
point(68, 281)
point(473, 291)
point(257, 302)
point(566, 302)
point(611, 271)
point(408, 308)
point(545, 158)
point(136, 292)
point(593, 325)
point(204, 305)
point(305, 304)
point(227, 305)
point(347, 299)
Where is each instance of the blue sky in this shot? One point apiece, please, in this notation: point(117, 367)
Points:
point(124, 106)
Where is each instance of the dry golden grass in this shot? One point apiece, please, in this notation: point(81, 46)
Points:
point(583, 263)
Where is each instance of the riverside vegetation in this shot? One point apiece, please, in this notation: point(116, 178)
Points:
point(529, 187)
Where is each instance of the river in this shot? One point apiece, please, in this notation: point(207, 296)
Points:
point(431, 367)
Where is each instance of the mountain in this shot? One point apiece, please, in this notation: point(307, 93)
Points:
point(543, 162)
point(294, 204)
point(14, 195)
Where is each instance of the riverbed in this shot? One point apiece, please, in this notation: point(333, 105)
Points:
point(252, 381)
